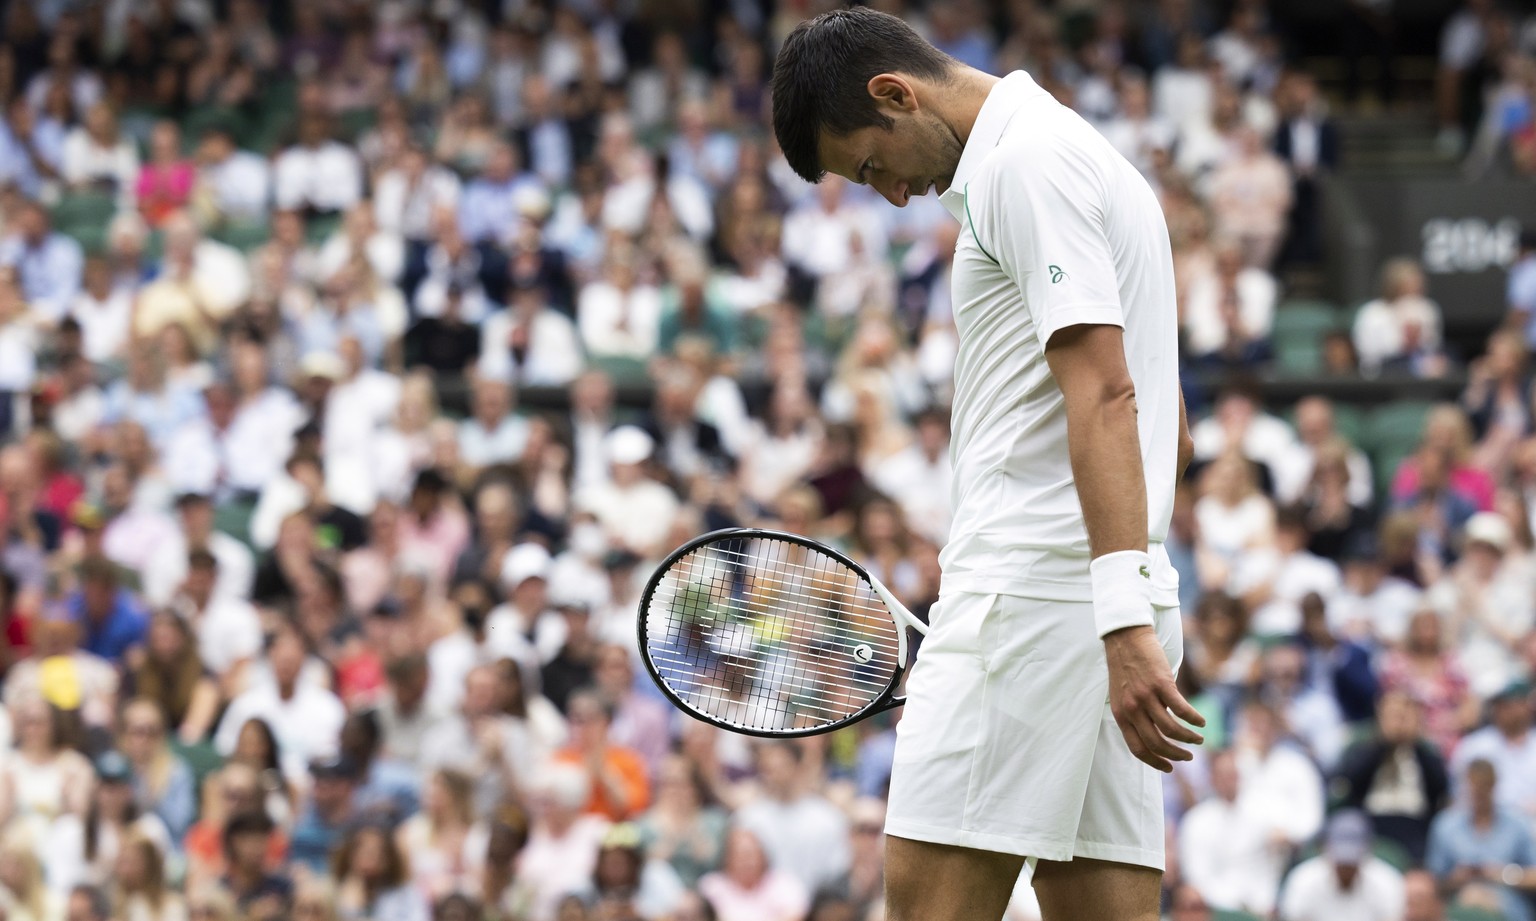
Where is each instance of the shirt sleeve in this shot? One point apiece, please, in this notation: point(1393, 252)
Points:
point(1038, 212)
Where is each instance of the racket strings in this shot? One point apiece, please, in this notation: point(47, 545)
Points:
point(769, 635)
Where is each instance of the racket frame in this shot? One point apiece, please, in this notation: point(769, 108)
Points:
point(900, 616)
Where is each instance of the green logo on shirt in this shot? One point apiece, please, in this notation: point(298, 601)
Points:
point(1056, 274)
point(1146, 573)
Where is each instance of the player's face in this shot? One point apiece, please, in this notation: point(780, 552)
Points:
point(917, 153)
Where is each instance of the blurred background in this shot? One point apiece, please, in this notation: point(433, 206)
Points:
point(359, 360)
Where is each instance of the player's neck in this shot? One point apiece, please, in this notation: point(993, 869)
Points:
point(961, 102)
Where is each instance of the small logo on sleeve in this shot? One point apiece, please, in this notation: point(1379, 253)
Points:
point(1146, 573)
point(1057, 275)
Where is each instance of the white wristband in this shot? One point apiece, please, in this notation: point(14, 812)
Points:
point(1122, 590)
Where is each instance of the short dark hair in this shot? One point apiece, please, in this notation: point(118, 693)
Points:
point(822, 72)
point(255, 822)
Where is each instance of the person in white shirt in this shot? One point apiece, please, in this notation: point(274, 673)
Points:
point(232, 184)
point(167, 567)
point(1230, 856)
point(620, 315)
point(1136, 131)
point(1315, 429)
point(1486, 601)
point(1344, 882)
point(1273, 579)
point(492, 434)
point(635, 510)
point(305, 717)
point(1402, 326)
point(1230, 308)
point(1281, 787)
point(228, 628)
point(819, 235)
point(802, 832)
point(1056, 586)
point(98, 156)
point(530, 343)
point(1372, 606)
point(104, 312)
point(918, 478)
point(317, 174)
point(406, 197)
point(1240, 420)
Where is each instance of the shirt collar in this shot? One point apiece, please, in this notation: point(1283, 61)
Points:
point(1003, 100)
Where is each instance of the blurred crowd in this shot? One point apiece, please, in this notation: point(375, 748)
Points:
point(358, 360)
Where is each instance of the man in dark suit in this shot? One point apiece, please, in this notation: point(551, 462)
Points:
point(1308, 141)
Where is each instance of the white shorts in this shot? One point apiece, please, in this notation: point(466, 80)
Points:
point(1007, 742)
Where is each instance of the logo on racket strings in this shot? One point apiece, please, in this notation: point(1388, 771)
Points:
point(863, 653)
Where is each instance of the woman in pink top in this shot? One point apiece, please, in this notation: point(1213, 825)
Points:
point(1447, 431)
point(165, 182)
point(745, 888)
point(1429, 673)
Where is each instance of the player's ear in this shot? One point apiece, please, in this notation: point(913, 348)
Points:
point(892, 92)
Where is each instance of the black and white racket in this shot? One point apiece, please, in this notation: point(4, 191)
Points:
point(772, 634)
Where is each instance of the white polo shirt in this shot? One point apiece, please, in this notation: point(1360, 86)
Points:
point(1057, 230)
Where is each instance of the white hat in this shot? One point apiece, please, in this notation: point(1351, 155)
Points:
point(524, 562)
point(1489, 528)
point(323, 364)
point(629, 444)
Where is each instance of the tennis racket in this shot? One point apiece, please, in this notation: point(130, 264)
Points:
point(772, 634)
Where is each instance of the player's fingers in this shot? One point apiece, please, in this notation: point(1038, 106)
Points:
point(1153, 735)
point(1181, 708)
point(1173, 729)
point(1145, 742)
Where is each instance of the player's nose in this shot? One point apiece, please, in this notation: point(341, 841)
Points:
point(894, 192)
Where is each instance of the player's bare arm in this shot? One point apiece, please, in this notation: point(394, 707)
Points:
point(1088, 363)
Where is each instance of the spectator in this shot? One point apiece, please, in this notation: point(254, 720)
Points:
point(1307, 139)
point(1485, 608)
point(1432, 676)
point(1251, 199)
point(1396, 777)
point(329, 813)
point(232, 185)
point(306, 717)
point(1509, 744)
point(1479, 843)
point(1280, 786)
point(1345, 881)
point(802, 833)
point(247, 841)
point(318, 175)
point(47, 264)
point(1229, 856)
point(748, 887)
point(171, 674)
point(83, 849)
point(1400, 330)
point(98, 157)
point(164, 184)
point(564, 841)
point(1338, 667)
point(141, 883)
point(620, 787)
point(1274, 580)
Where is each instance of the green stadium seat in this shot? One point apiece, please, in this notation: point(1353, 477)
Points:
point(84, 216)
point(1219, 914)
point(205, 117)
point(234, 519)
point(242, 235)
point(624, 372)
point(1298, 357)
point(201, 758)
point(1395, 425)
point(1297, 335)
point(1473, 913)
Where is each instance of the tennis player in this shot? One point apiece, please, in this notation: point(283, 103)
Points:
point(1042, 704)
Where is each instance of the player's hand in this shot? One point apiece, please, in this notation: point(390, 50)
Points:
point(1141, 694)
